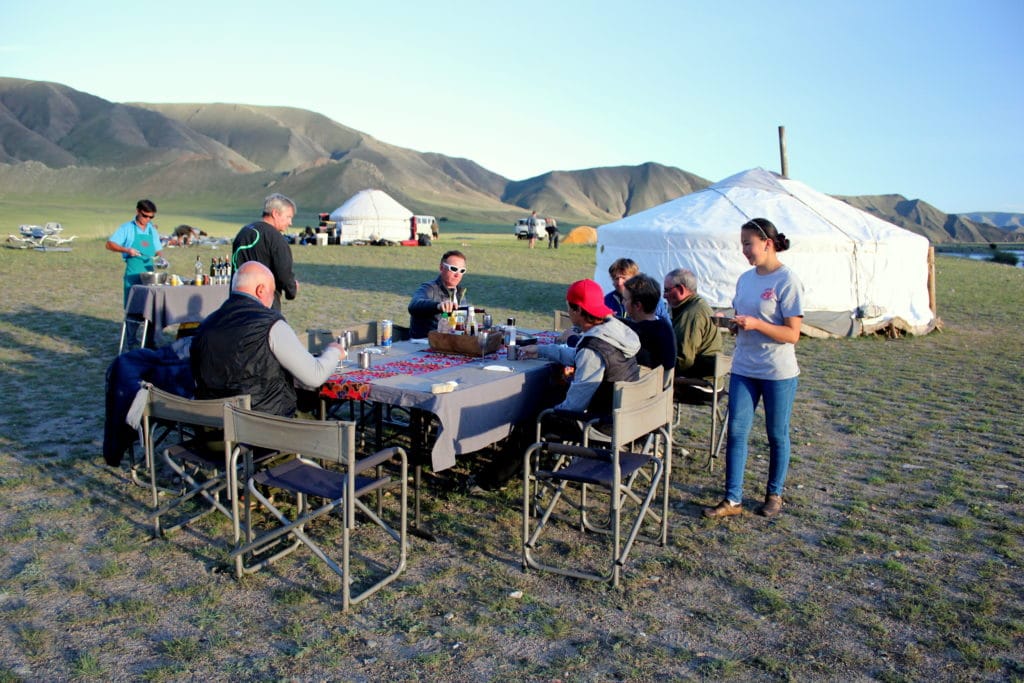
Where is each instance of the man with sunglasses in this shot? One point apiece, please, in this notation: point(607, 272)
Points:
point(138, 243)
point(441, 295)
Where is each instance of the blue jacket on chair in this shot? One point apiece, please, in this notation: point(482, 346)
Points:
point(166, 367)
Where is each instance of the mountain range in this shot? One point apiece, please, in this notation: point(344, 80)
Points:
point(58, 141)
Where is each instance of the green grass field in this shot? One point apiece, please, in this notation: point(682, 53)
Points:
point(897, 558)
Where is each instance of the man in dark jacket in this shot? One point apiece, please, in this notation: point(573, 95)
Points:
point(263, 241)
point(441, 295)
point(246, 347)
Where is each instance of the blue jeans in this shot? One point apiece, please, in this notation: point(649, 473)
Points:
point(744, 395)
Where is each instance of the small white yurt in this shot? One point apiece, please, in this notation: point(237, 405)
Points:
point(860, 273)
point(372, 215)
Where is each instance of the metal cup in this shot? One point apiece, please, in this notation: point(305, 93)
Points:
point(364, 360)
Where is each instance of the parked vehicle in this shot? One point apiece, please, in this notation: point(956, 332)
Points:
point(522, 228)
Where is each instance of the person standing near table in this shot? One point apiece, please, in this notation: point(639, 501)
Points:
point(769, 313)
point(246, 347)
point(441, 295)
point(263, 241)
point(138, 243)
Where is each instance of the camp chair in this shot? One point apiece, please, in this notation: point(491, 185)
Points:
point(196, 452)
point(304, 478)
point(614, 474)
point(713, 393)
point(561, 320)
point(134, 331)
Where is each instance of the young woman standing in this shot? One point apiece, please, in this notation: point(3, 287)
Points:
point(769, 311)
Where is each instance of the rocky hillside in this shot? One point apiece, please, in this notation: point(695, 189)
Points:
point(58, 141)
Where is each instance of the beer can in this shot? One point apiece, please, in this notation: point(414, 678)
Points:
point(385, 333)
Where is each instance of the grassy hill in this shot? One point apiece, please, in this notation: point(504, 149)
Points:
point(69, 146)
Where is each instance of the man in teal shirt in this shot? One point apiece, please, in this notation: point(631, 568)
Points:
point(138, 243)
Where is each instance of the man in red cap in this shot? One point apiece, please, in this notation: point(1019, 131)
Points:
point(605, 353)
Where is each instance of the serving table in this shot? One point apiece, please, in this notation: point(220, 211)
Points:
point(157, 306)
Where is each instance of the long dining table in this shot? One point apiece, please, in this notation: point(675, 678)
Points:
point(489, 394)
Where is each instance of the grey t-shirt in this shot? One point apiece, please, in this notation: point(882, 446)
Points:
point(772, 298)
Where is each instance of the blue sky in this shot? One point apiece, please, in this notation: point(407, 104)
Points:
point(923, 99)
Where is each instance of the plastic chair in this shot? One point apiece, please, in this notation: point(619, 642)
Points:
point(614, 479)
point(304, 478)
point(714, 394)
point(196, 452)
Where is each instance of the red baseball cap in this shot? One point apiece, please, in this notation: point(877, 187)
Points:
point(587, 295)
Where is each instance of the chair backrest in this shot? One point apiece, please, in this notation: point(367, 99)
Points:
point(640, 408)
point(207, 412)
point(330, 441)
point(723, 366)
point(561, 320)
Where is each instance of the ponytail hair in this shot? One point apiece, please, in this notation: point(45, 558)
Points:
point(768, 231)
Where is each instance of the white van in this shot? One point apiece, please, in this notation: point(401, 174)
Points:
point(426, 225)
point(522, 227)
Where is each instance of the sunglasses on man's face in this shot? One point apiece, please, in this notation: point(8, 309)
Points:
point(146, 215)
point(454, 269)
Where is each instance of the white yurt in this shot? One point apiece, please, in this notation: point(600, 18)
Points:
point(371, 215)
point(860, 273)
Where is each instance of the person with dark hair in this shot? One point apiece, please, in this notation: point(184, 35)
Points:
point(441, 295)
point(247, 347)
point(605, 353)
point(657, 339)
point(769, 313)
point(138, 242)
point(619, 271)
point(698, 339)
point(264, 241)
point(531, 228)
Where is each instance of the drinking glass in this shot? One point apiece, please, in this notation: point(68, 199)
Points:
point(481, 339)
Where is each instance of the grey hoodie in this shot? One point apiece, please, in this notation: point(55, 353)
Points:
point(588, 363)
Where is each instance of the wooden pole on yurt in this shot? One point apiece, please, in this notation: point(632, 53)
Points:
point(782, 151)
point(932, 303)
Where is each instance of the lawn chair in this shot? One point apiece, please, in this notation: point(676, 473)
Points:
point(713, 394)
point(302, 478)
point(198, 451)
point(619, 477)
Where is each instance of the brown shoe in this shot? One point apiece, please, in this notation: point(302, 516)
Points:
point(726, 508)
point(772, 505)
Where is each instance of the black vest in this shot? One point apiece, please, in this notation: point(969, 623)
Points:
point(231, 356)
point(617, 368)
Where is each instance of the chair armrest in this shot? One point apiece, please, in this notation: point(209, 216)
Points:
point(602, 454)
point(378, 458)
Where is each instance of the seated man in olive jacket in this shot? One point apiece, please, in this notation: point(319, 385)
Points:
point(246, 347)
point(698, 339)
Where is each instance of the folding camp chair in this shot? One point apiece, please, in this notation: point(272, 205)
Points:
point(613, 478)
point(198, 451)
point(561, 320)
point(714, 394)
point(304, 478)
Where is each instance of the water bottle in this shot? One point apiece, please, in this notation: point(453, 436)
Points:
point(510, 332)
point(199, 271)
